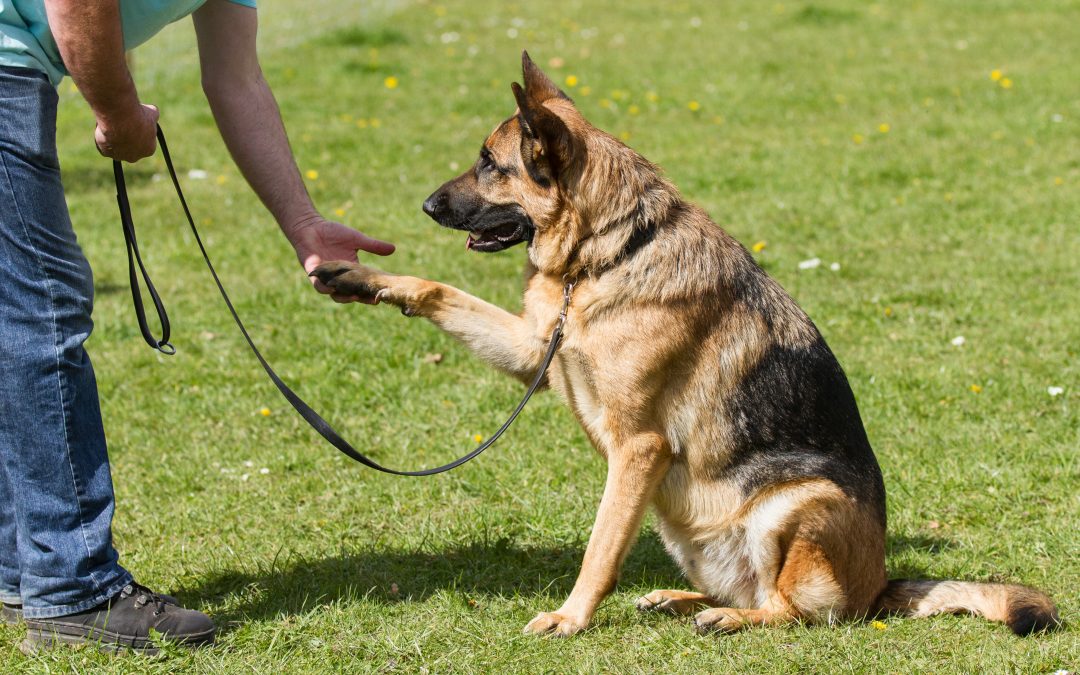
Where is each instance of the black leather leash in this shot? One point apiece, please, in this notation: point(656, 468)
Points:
point(310, 416)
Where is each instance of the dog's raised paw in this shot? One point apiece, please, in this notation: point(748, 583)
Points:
point(348, 278)
point(554, 624)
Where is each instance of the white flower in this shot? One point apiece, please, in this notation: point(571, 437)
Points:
point(197, 174)
point(835, 267)
point(810, 264)
point(958, 341)
point(264, 471)
point(1055, 391)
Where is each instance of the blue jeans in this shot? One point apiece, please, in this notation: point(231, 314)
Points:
point(56, 495)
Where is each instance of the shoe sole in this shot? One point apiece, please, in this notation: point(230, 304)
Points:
point(10, 617)
point(42, 639)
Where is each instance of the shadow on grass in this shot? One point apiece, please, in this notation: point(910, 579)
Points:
point(295, 585)
point(502, 568)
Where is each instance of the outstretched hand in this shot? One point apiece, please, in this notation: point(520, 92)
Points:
point(321, 240)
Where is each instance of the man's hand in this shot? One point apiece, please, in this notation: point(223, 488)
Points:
point(319, 240)
point(128, 137)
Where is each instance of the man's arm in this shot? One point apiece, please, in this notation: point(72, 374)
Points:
point(250, 123)
point(89, 37)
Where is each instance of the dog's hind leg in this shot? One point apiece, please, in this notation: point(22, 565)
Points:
point(679, 603)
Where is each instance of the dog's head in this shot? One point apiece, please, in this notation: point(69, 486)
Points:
point(512, 192)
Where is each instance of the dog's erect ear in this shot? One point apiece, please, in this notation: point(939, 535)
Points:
point(547, 146)
point(538, 86)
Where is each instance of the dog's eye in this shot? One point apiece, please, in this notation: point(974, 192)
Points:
point(487, 162)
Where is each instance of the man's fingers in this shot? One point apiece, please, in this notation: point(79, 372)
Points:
point(372, 245)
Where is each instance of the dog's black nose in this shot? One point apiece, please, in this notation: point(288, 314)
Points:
point(434, 204)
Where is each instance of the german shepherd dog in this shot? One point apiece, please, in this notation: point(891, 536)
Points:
point(708, 390)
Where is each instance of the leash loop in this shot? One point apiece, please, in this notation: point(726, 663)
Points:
point(305, 411)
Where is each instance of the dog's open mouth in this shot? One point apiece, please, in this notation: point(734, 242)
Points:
point(496, 238)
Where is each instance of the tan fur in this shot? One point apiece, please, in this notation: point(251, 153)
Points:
point(654, 347)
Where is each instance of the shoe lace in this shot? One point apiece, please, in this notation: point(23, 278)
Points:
point(144, 596)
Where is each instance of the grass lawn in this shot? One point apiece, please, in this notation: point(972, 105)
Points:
point(873, 136)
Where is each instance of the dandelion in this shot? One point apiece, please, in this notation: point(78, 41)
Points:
point(265, 412)
point(604, 103)
point(857, 139)
point(375, 122)
point(633, 110)
point(652, 96)
point(888, 311)
point(884, 127)
point(975, 389)
point(1006, 83)
point(694, 106)
point(624, 136)
point(995, 75)
point(312, 174)
point(390, 82)
point(571, 80)
point(1058, 180)
point(1055, 391)
point(220, 180)
point(879, 625)
point(478, 438)
point(361, 123)
point(759, 246)
point(585, 91)
point(339, 212)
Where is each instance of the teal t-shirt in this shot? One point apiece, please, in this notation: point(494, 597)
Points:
point(27, 42)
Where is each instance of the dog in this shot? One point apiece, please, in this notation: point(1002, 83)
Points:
point(710, 393)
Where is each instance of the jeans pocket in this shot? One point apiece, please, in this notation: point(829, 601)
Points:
point(28, 117)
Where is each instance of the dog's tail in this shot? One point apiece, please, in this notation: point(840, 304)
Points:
point(1023, 609)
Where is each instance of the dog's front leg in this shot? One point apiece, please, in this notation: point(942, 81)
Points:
point(635, 469)
point(500, 338)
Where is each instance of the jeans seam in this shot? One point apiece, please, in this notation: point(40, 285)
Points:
point(56, 351)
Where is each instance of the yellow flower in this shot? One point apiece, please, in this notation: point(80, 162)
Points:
point(390, 82)
point(478, 438)
point(759, 246)
point(585, 91)
point(571, 80)
point(220, 180)
point(624, 136)
point(1058, 180)
point(694, 106)
point(265, 412)
point(361, 124)
point(633, 110)
point(312, 174)
point(949, 196)
point(879, 625)
point(375, 122)
point(1006, 83)
point(604, 103)
point(857, 139)
point(975, 389)
point(995, 74)
point(884, 127)
point(652, 96)
point(888, 311)
point(339, 212)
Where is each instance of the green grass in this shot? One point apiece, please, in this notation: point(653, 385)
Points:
point(961, 219)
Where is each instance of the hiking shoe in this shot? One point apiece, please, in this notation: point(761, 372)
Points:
point(11, 614)
point(123, 622)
